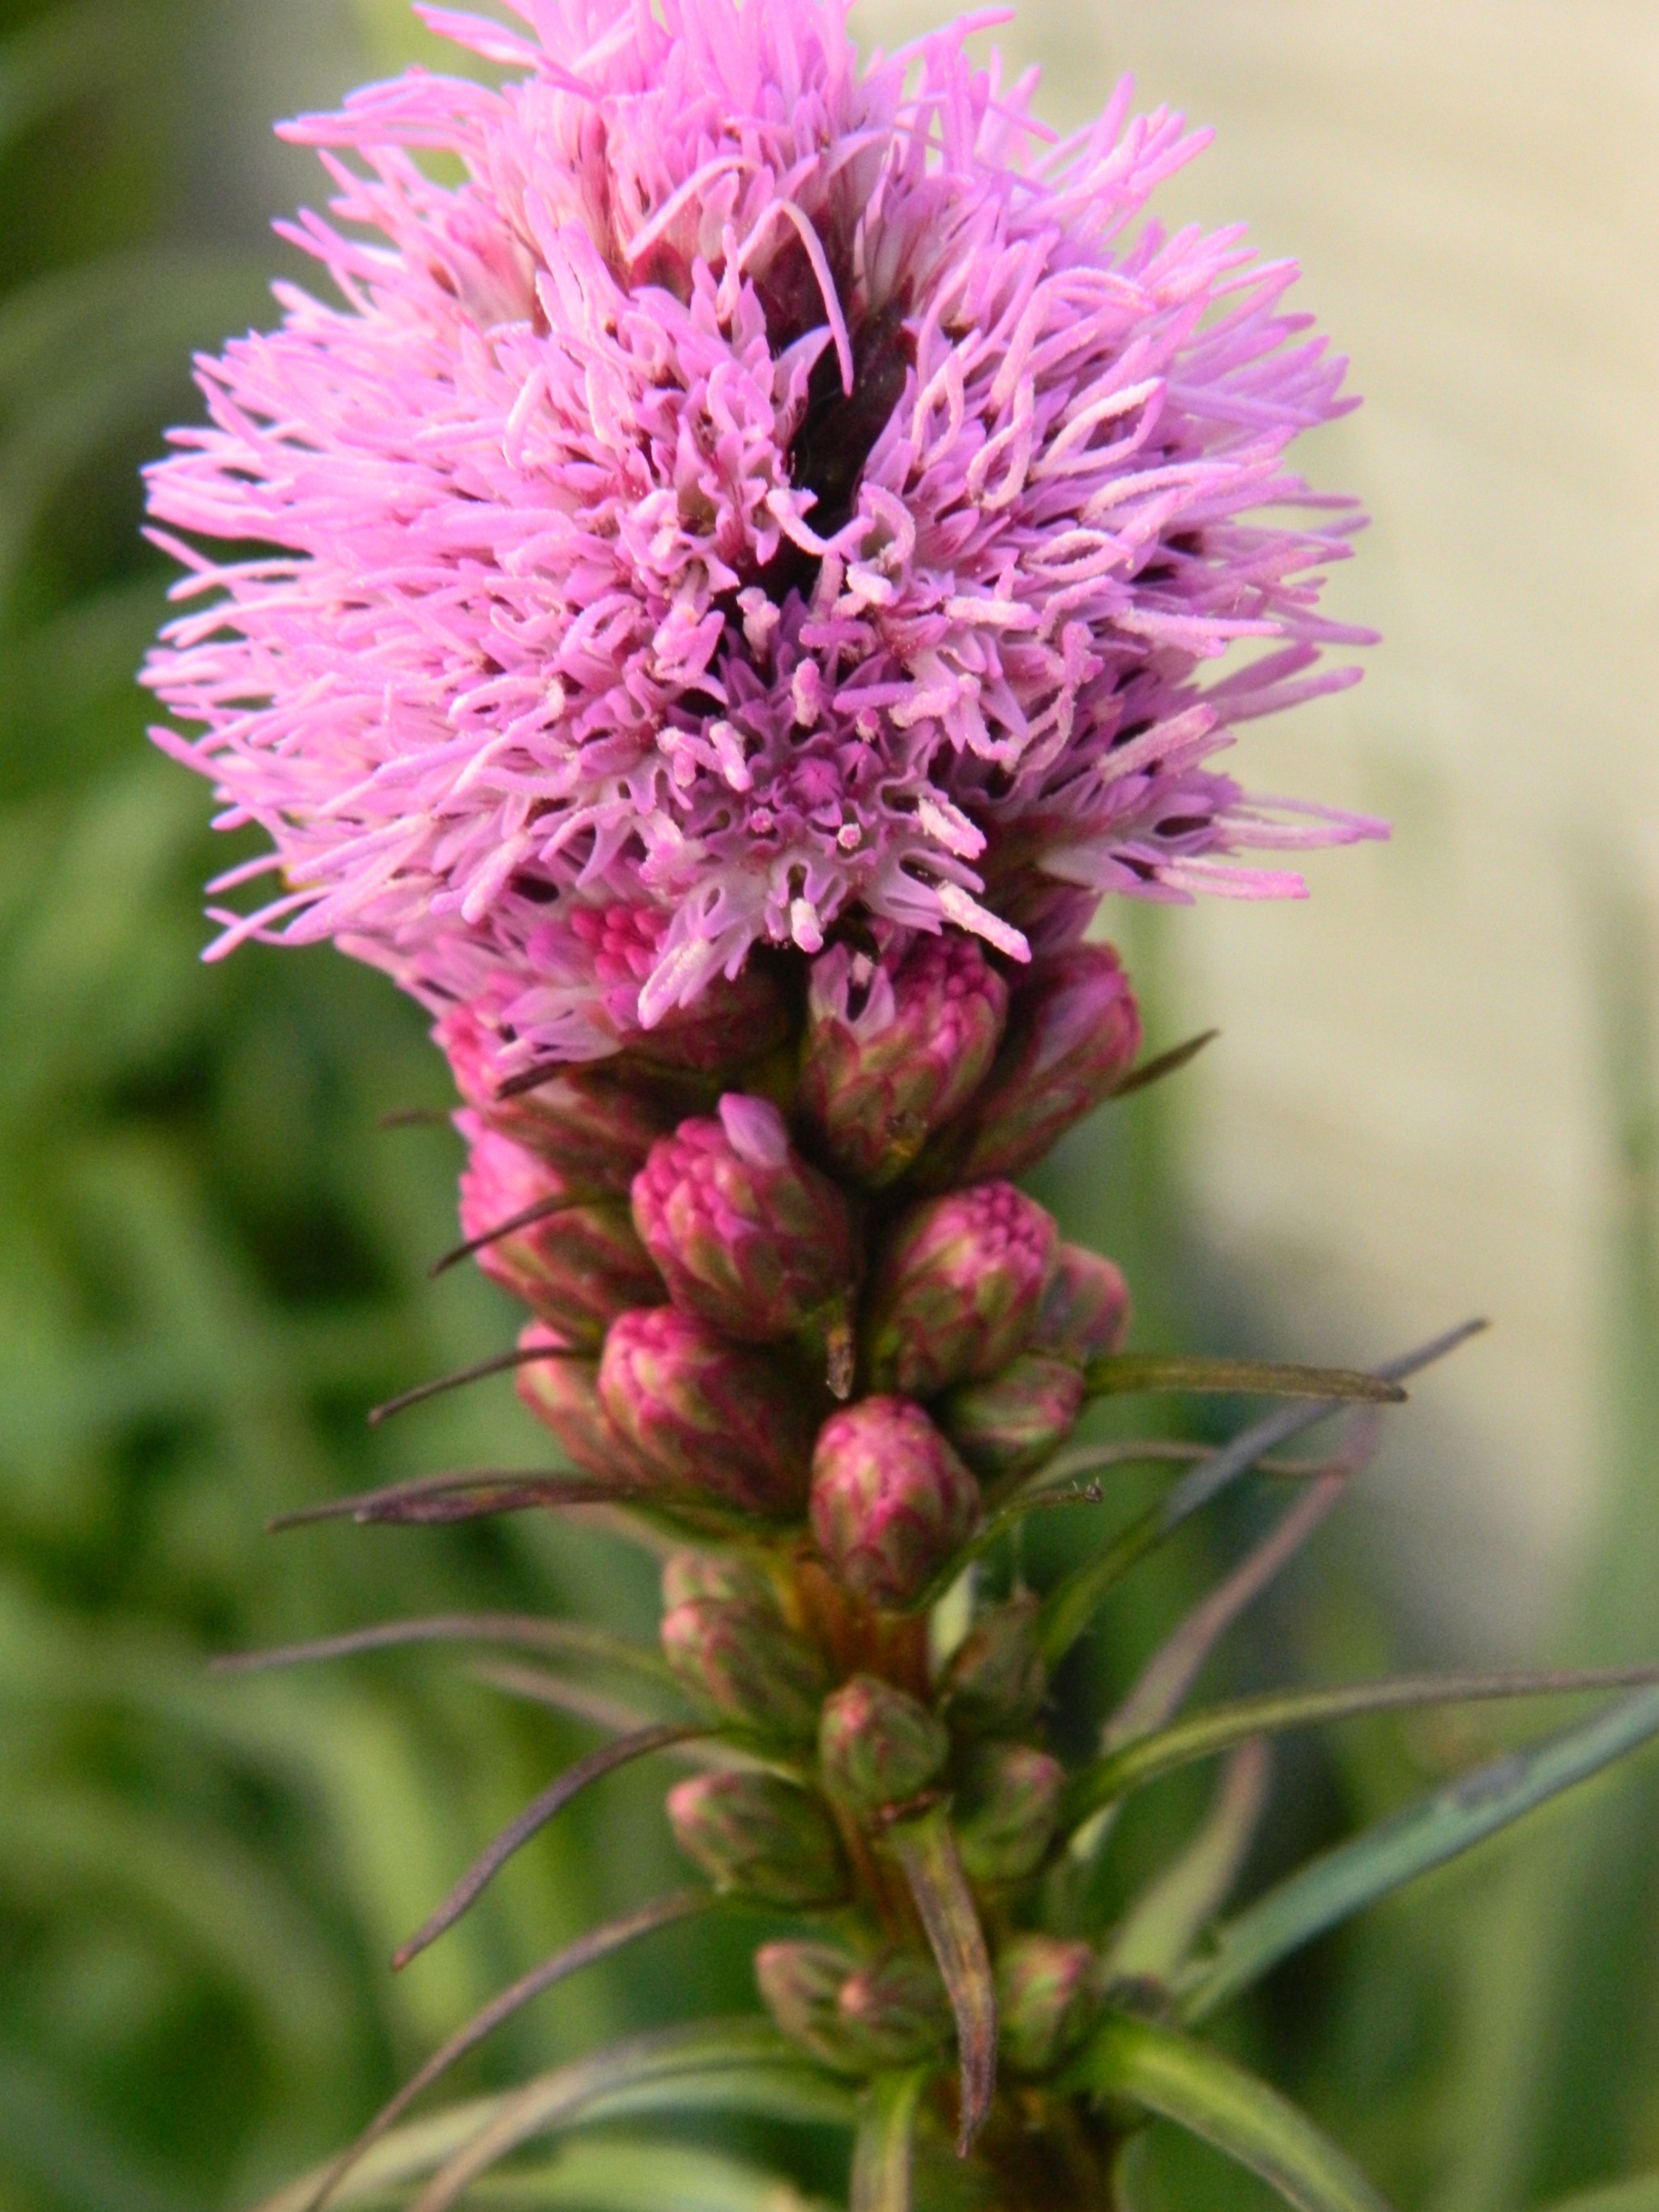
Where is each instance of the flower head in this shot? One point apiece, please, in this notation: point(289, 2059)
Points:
point(764, 489)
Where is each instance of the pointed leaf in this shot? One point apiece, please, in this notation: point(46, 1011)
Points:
point(1395, 1851)
point(1187, 2082)
point(1167, 1918)
point(536, 1815)
point(1637, 2192)
point(541, 1688)
point(927, 1851)
point(587, 1950)
point(526, 1218)
point(732, 2065)
point(654, 2176)
point(1070, 1606)
point(574, 1639)
point(1219, 1728)
point(885, 2140)
point(1124, 1371)
point(500, 1363)
point(469, 1494)
point(1167, 1063)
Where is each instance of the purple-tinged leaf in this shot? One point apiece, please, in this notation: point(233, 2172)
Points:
point(529, 1631)
point(1167, 1063)
point(1121, 1372)
point(536, 1816)
point(562, 1202)
point(500, 1363)
point(926, 1850)
point(1165, 1922)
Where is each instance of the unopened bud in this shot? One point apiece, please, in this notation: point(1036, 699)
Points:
point(687, 1576)
point(894, 2010)
point(1006, 1817)
point(892, 1502)
point(801, 1984)
point(705, 1413)
point(1073, 1032)
point(564, 1396)
point(582, 1120)
point(957, 1288)
point(761, 1835)
point(892, 1052)
point(741, 1663)
point(1084, 1313)
point(577, 1269)
point(1047, 1996)
point(733, 1022)
point(996, 1679)
point(747, 1235)
point(1010, 1424)
point(879, 1747)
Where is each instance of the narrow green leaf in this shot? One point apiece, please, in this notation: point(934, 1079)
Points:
point(1166, 1064)
point(572, 1639)
point(927, 1851)
point(1637, 2192)
point(1187, 2082)
point(1219, 1728)
point(1124, 1371)
point(535, 1817)
point(741, 2065)
point(1438, 1828)
point(1165, 1922)
point(1070, 1606)
point(586, 1951)
point(885, 2140)
point(644, 2177)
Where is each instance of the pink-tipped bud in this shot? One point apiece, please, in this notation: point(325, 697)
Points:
point(747, 1235)
point(1047, 1996)
point(1008, 1812)
point(564, 1396)
point(1009, 1423)
point(1073, 1032)
point(576, 1269)
point(892, 1052)
point(1085, 1307)
point(734, 1022)
point(687, 1576)
point(583, 1120)
point(760, 1835)
point(705, 1414)
point(740, 1662)
point(801, 1984)
point(892, 1502)
point(957, 1288)
point(878, 1747)
point(895, 2011)
point(996, 1680)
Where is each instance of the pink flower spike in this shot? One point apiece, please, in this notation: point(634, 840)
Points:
point(765, 490)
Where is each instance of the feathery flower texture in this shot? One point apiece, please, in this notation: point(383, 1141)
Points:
point(765, 489)
point(746, 566)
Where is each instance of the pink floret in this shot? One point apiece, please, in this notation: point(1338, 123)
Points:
point(764, 486)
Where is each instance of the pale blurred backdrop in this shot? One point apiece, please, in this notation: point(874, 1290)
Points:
point(1411, 1114)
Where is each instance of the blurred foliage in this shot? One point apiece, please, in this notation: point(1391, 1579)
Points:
point(212, 1259)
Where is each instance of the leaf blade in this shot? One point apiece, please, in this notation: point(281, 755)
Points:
point(1438, 1828)
point(926, 1850)
point(1185, 2081)
point(883, 2148)
point(1121, 1372)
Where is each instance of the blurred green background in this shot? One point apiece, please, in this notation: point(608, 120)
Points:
point(212, 1259)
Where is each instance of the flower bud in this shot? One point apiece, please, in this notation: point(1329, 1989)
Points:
point(689, 1575)
point(1073, 1032)
point(878, 1747)
point(760, 1835)
point(956, 1289)
point(801, 1984)
point(735, 1021)
point(747, 1235)
point(894, 2010)
point(1047, 1999)
point(893, 1051)
point(892, 1502)
point(564, 1396)
point(576, 1269)
point(583, 1120)
point(1084, 1313)
point(707, 1414)
point(741, 1663)
point(1009, 1425)
point(1006, 1817)
point(996, 1680)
